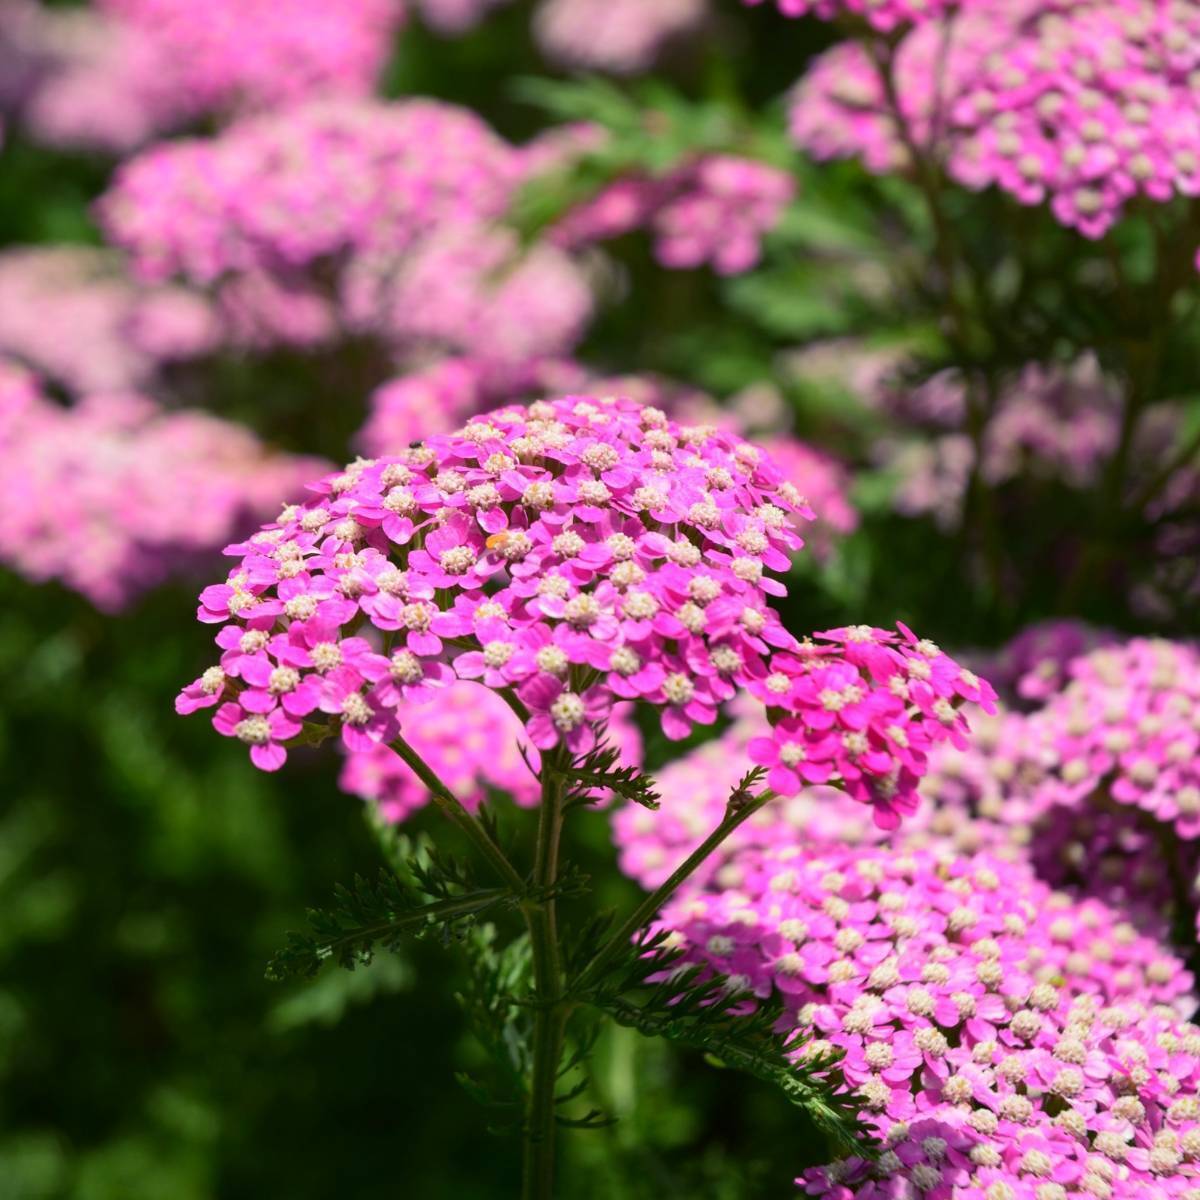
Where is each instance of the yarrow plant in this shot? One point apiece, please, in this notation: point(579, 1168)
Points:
point(567, 556)
point(1006, 1041)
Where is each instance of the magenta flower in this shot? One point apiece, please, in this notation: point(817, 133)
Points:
point(264, 733)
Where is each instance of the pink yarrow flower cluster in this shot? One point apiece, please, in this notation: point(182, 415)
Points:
point(1033, 666)
point(883, 15)
point(84, 495)
point(714, 210)
point(585, 550)
point(115, 77)
point(863, 707)
point(70, 313)
point(1053, 424)
point(1006, 1042)
point(1085, 106)
point(572, 554)
point(410, 257)
point(1098, 786)
point(1125, 726)
point(695, 790)
point(620, 36)
point(269, 193)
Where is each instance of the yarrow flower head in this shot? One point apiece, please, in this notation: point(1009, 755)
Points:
point(884, 15)
point(623, 37)
point(269, 193)
point(84, 496)
point(572, 554)
point(114, 76)
point(1098, 786)
point(611, 552)
point(999, 1036)
point(1084, 106)
point(863, 707)
point(716, 209)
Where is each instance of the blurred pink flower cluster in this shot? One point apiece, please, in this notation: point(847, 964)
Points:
point(1049, 423)
point(285, 191)
point(620, 36)
point(112, 495)
point(117, 75)
point(883, 15)
point(1084, 106)
point(69, 312)
point(716, 210)
point(451, 17)
point(1004, 1040)
point(410, 254)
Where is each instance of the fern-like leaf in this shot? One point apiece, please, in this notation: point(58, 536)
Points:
point(652, 991)
point(374, 915)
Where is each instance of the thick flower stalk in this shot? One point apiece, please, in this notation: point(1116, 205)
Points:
point(1007, 1042)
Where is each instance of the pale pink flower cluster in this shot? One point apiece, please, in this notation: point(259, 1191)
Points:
point(620, 36)
point(454, 16)
point(69, 312)
point(472, 290)
point(1100, 785)
point(115, 77)
point(883, 15)
point(1084, 106)
point(271, 193)
point(1051, 423)
point(114, 494)
point(409, 255)
point(714, 210)
point(1033, 666)
point(1006, 1042)
point(1126, 726)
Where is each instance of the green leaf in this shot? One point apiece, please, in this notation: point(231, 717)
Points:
point(369, 916)
point(651, 991)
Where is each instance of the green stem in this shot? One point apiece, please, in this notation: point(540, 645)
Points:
point(450, 804)
point(550, 1006)
point(652, 904)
